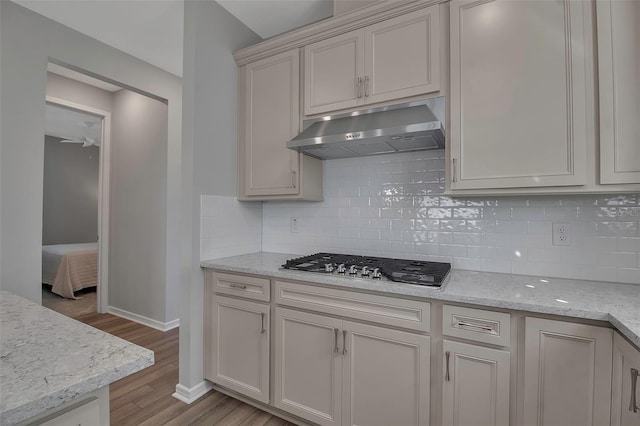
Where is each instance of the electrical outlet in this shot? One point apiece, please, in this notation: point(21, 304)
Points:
point(561, 234)
point(294, 224)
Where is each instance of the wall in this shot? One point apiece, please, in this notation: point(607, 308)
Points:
point(393, 206)
point(70, 203)
point(209, 156)
point(28, 42)
point(137, 216)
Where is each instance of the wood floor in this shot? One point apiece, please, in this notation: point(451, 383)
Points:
point(145, 398)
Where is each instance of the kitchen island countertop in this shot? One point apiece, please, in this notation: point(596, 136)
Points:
point(619, 304)
point(47, 359)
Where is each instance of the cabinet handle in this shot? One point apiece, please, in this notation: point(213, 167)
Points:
point(359, 87)
point(486, 328)
point(446, 375)
point(293, 179)
point(366, 86)
point(344, 342)
point(454, 177)
point(240, 286)
point(335, 341)
point(633, 405)
point(263, 329)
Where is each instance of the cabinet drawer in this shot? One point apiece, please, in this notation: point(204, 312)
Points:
point(410, 314)
point(83, 413)
point(477, 325)
point(241, 285)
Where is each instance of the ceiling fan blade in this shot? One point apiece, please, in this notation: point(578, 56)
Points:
point(71, 141)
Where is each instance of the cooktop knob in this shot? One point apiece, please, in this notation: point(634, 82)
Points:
point(353, 270)
point(365, 271)
point(341, 269)
point(376, 275)
point(328, 267)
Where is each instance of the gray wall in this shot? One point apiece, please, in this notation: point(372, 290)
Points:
point(70, 202)
point(28, 42)
point(209, 142)
point(74, 91)
point(138, 198)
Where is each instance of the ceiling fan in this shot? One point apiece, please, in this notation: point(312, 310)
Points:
point(84, 140)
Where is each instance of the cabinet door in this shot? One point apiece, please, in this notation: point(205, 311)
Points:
point(402, 56)
point(308, 367)
point(619, 81)
point(567, 373)
point(386, 377)
point(271, 119)
point(518, 89)
point(476, 385)
point(332, 72)
point(240, 352)
point(626, 367)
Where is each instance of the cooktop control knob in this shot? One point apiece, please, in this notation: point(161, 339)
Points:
point(328, 267)
point(376, 275)
point(341, 269)
point(353, 270)
point(365, 271)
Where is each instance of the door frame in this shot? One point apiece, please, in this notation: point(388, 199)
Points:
point(104, 192)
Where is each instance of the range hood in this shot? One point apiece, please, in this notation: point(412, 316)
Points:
point(398, 128)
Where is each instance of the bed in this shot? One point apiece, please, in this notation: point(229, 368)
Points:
point(70, 267)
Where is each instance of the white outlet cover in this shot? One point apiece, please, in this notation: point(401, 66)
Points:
point(561, 234)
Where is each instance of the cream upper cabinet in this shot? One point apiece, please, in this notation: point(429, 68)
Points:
point(269, 115)
point(475, 387)
point(567, 373)
point(393, 59)
point(518, 92)
point(619, 81)
point(625, 395)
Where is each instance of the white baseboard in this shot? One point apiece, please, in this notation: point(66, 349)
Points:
point(190, 395)
point(149, 322)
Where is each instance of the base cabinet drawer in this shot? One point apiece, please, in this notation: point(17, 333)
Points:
point(475, 387)
point(477, 325)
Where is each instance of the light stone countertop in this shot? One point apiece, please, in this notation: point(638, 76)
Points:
point(619, 304)
point(47, 359)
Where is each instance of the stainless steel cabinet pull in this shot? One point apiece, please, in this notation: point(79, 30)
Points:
point(359, 88)
point(366, 86)
point(335, 341)
point(633, 404)
point(240, 286)
point(446, 375)
point(344, 342)
point(293, 179)
point(477, 326)
point(454, 173)
point(264, 330)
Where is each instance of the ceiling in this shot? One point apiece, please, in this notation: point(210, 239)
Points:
point(152, 30)
point(70, 124)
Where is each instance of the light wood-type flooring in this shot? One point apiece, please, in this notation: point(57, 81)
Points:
point(145, 398)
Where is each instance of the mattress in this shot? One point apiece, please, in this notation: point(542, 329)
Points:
point(70, 267)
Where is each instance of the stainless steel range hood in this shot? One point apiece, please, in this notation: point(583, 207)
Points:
point(398, 128)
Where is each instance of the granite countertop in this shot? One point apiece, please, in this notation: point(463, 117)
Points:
point(47, 359)
point(619, 304)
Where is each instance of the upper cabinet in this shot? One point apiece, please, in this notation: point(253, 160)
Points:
point(619, 74)
point(518, 115)
point(392, 59)
point(269, 117)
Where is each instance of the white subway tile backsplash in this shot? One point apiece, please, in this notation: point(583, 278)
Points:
point(393, 205)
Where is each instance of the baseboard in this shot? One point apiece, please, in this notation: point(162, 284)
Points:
point(190, 395)
point(149, 322)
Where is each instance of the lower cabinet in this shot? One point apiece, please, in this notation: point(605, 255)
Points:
point(567, 373)
point(238, 355)
point(331, 371)
point(475, 387)
point(625, 395)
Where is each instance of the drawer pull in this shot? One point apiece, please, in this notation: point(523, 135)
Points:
point(484, 328)
point(633, 404)
point(239, 286)
point(263, 329)
point(335, 341)
point(446, 376)
point(344, 342)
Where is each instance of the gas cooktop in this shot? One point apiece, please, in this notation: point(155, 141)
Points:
point(376, 268)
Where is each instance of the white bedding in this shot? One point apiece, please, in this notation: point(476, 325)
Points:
point(70, 267)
